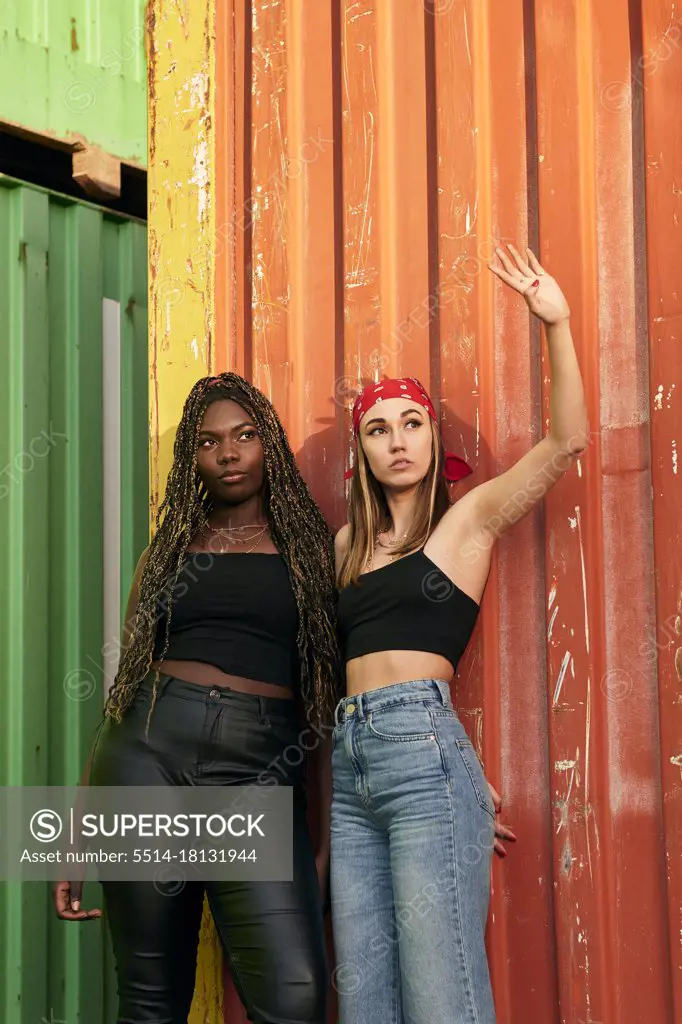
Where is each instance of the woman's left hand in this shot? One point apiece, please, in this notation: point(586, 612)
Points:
point(501, 831)
point(543, 295)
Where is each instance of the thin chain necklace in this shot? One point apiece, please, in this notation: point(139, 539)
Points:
point(228, 531)
point(379, 543)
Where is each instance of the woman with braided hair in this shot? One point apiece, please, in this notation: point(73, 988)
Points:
point(229, 635)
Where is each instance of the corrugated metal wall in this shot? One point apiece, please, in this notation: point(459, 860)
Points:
point(75, 69)
point(345, 171)
point(66, 268)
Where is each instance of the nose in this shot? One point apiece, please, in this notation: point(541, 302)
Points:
point(397, 441)
point(227, 454)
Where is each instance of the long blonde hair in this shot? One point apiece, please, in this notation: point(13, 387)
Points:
point(369, 514)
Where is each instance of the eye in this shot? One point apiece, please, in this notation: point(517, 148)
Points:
point(207, 441)
point(248, 434)
point(413, 423)
point(374, 431)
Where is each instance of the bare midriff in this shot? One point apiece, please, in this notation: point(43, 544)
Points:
point(384, 668)
point(209, 675)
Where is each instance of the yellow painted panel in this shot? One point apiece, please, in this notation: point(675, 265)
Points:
point(181, 232)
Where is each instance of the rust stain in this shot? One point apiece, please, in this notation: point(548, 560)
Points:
point(152, 62)
point(573, 756)
point(74, 36)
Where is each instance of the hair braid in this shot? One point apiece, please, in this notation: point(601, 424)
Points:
point(298, 530)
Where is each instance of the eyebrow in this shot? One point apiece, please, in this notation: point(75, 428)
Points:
point(380, 419)
point(216, 433)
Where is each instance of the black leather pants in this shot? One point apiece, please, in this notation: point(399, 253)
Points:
point(271, 932)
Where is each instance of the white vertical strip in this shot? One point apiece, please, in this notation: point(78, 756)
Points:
point(111, 437)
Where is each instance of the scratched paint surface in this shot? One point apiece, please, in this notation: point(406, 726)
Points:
point(660, 75)
point(442, 129)
point(181, 245)
point(74, 70)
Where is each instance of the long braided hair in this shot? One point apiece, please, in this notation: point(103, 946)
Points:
point(298, 530)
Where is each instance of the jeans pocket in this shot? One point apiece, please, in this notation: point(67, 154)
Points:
point(401, 724)
point(475, 772)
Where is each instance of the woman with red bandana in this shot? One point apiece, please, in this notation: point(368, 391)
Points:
point(413, 823)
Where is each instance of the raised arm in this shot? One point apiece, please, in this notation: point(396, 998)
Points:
point(497, 504)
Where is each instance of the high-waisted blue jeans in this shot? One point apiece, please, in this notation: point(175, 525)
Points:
point(412, 835)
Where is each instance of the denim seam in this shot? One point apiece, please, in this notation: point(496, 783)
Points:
point(443, 760)
point(462, 745)
point(396, 703)
point(410, 738)
point(363, 777)
point(398, 1016)
point(462, 952)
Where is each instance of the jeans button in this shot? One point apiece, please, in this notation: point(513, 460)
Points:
point(214, 694)
point(350, 708)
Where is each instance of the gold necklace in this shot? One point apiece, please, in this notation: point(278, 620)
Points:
point(378, 542)
point(257, 537)
point(229, 531)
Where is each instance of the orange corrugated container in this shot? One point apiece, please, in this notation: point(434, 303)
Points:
point(365, 158)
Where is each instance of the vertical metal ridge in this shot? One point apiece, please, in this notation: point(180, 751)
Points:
point(535, 118)
point(51, 635)
point(112, 483)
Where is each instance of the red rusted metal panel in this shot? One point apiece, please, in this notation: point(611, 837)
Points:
point(371, 154)
point(656, 81)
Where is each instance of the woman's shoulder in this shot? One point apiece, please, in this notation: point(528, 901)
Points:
point(341, 540)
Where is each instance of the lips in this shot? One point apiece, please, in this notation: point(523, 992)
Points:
point(400, 464)
point(232, 477)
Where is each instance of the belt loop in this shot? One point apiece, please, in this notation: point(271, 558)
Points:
point(444, 690)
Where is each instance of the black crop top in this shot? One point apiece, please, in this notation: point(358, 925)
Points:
point(236, 612)
point(407, 605)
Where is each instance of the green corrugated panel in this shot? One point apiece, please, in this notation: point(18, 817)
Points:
point(76, 67)
point(61, 261)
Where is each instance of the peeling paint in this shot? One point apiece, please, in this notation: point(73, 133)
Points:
point(560, 678)
point(584, 579)
point(181, 65)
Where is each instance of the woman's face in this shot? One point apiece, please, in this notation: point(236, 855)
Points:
point(230, 453)
point(397, 440)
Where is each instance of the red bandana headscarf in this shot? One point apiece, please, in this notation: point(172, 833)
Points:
point(454, 468)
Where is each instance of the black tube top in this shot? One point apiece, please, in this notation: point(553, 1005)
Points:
point(236, 612)
point(407, 605)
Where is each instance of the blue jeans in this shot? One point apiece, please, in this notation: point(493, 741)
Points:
point(412, 834)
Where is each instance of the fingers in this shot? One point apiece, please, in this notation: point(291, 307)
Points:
point(504, 832)
point(497, 799)
point(503, 275)
point(521, 264)
point(535, 284)
point(81, 915)
point(534, 262)
point(499, 849)
point(76, 889)
point(513, 271)
point(516, 271)
point(66, 897)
